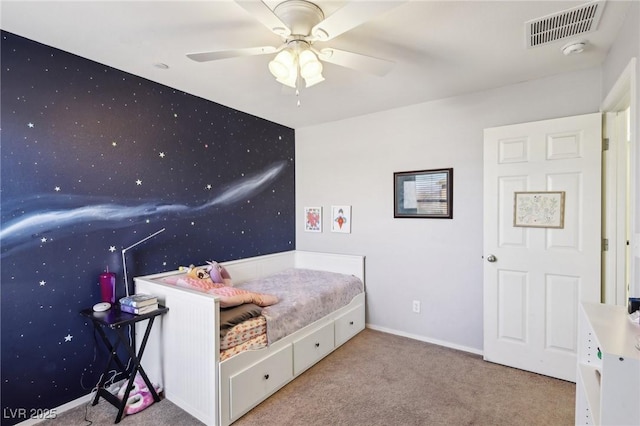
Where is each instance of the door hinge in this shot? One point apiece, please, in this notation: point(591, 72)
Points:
point(605, 144)
point(605, 244)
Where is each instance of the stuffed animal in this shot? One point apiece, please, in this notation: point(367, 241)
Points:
point(219, 273)
point(213, 270)
point(198, 273)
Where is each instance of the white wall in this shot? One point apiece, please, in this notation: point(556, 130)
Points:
point(626, 46)
point(436, 261)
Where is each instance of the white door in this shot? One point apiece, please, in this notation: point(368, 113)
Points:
point(535, 277)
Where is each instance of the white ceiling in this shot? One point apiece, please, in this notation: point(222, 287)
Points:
point(440, 49)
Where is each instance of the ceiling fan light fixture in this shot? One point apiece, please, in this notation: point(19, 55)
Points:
point(312, 81)
point(291, 82)
point(310, 66)
point(282, 65)
point(300, 23)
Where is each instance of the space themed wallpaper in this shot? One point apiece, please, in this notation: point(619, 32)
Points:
point(94, 160)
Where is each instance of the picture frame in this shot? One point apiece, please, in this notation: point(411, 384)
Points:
point(539, 209)
point(341, 219)
point(313, 219)
point(423, 194)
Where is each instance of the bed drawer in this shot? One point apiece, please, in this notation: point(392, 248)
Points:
point(251, 386)
point(349, 324)
point(308, 350)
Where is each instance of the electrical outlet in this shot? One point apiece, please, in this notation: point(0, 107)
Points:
point(416, 306)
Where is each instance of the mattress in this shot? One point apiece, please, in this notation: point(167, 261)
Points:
point(304, 295)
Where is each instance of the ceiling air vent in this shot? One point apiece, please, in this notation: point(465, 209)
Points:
point(568, 23)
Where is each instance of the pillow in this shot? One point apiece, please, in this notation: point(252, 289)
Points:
point(233, 296)
point(237, 314)
point(228, 296)
point(190, 282)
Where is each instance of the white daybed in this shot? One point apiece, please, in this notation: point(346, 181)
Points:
point(183, 353)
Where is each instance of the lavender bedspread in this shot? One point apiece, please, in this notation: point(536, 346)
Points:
point(304, 296)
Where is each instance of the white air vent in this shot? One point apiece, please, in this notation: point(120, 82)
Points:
point(561, 25)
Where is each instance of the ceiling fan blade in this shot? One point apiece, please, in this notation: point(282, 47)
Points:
point(265, 15)
point(235, 53)
point(353, 14)
point(356, 61)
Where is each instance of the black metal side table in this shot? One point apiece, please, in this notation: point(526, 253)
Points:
point(118, 320)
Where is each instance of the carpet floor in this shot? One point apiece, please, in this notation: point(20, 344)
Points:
point(382, 379)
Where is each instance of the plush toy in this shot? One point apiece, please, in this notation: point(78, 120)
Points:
point(219, 273)
point(213, 270)
point(198, 273)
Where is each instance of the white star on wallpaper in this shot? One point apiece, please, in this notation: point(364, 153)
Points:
point(112, 248)
point(57, 189)
point(68, 338)
point(43, 239)
point(42, 283)
point(138, 182)
point(162, 155)
point(31, 125)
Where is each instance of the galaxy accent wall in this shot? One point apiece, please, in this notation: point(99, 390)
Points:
point(93, 160)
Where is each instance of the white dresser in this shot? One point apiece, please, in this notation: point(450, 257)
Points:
point(608, 376)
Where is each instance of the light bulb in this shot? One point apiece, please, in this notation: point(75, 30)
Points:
point(312, 81)
point(282, 65)
point(291, 82)
point(310, 66)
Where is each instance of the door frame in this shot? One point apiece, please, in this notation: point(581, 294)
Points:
point(622, 96)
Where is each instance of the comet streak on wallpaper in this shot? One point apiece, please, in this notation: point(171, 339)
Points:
point(33, 225)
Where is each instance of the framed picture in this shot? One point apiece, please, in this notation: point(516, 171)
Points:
point(423, 194)
point(539, 209)
point(341, 219)
point(313, 219)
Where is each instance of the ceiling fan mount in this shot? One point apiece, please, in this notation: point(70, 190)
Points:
point(301, 23)
point(299, 16)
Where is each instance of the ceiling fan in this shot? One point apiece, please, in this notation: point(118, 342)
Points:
point(301, 24)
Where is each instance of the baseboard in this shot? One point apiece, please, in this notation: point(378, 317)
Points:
point(426, 339)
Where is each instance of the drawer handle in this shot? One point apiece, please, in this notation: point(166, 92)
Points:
point(266, 377)
point(317, 345)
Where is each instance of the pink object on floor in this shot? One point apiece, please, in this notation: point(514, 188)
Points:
point(140, 396)
point(139, 402)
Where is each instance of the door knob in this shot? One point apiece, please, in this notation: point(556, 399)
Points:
point(491, 258)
